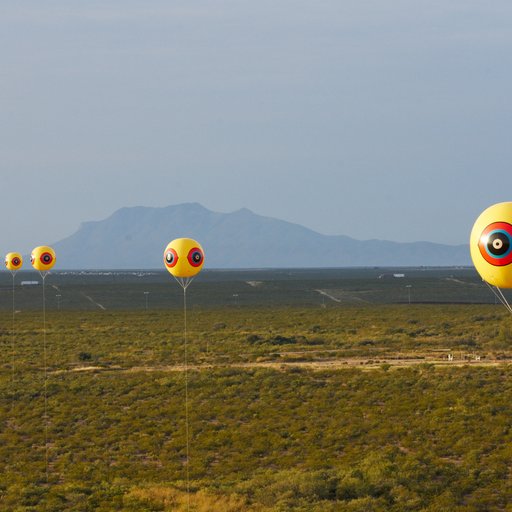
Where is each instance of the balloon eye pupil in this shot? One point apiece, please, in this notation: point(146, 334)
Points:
point(498, 243)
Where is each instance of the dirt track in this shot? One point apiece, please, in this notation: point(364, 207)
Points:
point(321, 365)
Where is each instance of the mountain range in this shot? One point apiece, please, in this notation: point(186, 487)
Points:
point(136, 237)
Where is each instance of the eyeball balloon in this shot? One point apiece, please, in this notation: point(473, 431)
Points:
point(184, 257)
point(42, 258)
point(491, 245)
point(13, 261)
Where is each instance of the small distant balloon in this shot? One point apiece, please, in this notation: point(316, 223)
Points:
point(43, 258)
point(184, 257)
point(491, 245)
point(13, 261)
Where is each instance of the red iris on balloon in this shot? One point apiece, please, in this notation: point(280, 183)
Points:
point(495, 244)
point(16, 261)
point(170, 258)
point(195, 257)
point(46, 258)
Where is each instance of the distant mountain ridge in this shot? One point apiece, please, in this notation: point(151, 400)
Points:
point(136, 237)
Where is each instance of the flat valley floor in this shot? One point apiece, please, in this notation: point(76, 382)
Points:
point(307, 390)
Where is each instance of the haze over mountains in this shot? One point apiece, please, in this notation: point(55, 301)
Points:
point(135, 238)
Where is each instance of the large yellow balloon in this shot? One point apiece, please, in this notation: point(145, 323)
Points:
point(13, 261)
point(184, 257)
point(42, 258)
point(491, 245)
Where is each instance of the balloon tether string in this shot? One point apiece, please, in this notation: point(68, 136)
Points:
point(12, 347)
point(43, 276)
point(185, 282)
point(505, 301)
point(500, 296)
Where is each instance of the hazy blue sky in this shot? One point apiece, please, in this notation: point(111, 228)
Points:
point(376, 119)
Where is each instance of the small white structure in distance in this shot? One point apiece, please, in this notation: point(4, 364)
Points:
point(29, 283)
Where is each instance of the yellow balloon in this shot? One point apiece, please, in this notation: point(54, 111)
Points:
point(184, 257)
point(42, 258)
point(491, 245)
point(13, 261)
